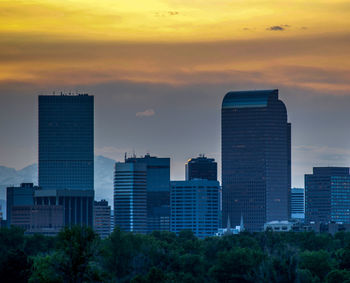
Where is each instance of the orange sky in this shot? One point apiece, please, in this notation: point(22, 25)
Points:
point(177, 58)
point(176, 42)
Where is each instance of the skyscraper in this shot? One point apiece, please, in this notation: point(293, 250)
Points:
point(66, 142)
point(195, 206)
point(327, 195)
point(157, 191)
point(130, 198)
point(66, 155)
point(201, 168)
point(256, 158)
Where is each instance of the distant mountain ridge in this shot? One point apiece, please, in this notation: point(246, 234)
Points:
point(104, 168)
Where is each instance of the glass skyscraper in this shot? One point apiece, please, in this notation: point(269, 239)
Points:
point(157, 191)
point(256, 158)
point(327, 195)
point(66, 142)
point(130, 198)
point(66, 155)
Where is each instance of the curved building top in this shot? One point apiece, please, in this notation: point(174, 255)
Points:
point(249, 98)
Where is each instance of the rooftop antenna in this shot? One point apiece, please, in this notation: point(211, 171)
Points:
point(125, 156)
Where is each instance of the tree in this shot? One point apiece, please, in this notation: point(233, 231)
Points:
point(75, 258)
point(236, 265)
point(318, 263)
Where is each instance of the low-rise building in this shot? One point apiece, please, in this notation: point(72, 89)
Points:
point(102, 218)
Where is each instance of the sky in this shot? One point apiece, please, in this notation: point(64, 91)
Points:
point(159, 70)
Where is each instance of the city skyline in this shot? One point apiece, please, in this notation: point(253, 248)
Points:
point(321, 155)
point(164, 66)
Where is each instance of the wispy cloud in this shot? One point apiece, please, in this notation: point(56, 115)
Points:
point(146, 113)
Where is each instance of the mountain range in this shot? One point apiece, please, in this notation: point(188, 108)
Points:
point(104, 168)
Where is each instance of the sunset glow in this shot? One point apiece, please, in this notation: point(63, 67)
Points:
point(175, 42)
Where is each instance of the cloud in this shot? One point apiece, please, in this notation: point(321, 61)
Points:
point(276, 28)
point(173, 13)
point(146, 113)
point(166, 13)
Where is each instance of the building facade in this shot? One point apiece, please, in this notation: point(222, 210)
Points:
point(66, 155)
point(77, 204)
point(297, 205)
point(43, 219)
point(327, 195)
point(256, 158)
point(19, 196)
point(102, 218)
point(24, 211)
point(130, 196)
point(201, 168)
point(195, 206)
point(157, 190)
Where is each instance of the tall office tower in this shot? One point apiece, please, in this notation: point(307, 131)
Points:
point(102, 218)
point(297, 205)
point(256, 157)
point(195, 206)
point(158, 191)
point(130, 198)
point(327, 195)
point(66, 155)
point(201, 168)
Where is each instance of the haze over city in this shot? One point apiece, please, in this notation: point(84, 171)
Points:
point(160, 69)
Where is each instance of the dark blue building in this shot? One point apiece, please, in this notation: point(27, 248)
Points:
point(201, 168)
point(66, 155)
point(158, 191)
point(327, 195)
point(256, 158)
point(195, 206)
point(66, 142)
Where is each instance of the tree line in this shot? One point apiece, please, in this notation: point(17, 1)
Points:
point(78, 254)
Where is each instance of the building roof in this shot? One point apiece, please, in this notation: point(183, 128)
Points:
point(249, 99)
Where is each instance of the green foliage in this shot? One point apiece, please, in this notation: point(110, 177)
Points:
point(318, 263)
point(79, 255)
point(74, 260)
point(336, 276)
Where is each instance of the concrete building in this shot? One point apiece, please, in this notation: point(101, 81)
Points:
point(43, 219)
point(201, 168)
point(278, 226)
point(19, 196)
point(327, 195)
point(24, 211)
point(77, 204)
point(195, 206)
point(102, 218)
point(256, 158)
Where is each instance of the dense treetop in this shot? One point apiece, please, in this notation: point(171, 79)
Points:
point(79, 255)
